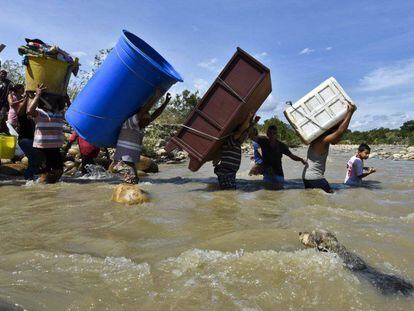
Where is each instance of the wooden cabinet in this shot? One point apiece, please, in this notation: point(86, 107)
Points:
point(241, 87)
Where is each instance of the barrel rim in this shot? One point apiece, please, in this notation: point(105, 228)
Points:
point(171, 72)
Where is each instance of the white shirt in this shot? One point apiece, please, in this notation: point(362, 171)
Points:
point(355, 168)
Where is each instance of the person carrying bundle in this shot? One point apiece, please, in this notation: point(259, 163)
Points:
point(15, 99)
point(272, 152)
point(47, 112)
point(88, 152)
point(4, 107)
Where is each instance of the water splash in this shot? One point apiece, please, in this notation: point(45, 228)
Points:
point(95, 172)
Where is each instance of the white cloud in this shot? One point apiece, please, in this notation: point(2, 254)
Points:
point(200, 84)
point(260, 56)
point(329, 48)
point(394, 76)
point(367, 122)
point(306, 51)
point(270, 108)
point(78, 53)
point(385, 97)
point(209, 64)
point(383, 110)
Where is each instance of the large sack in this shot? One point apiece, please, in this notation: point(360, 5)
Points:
point(129, 194)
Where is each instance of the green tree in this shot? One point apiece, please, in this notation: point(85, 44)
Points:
point(179, 107)
point(78, 83)
point(285, 131)
point(407, 130)
point(407, 127)
point(15, 71)
point(169, 122)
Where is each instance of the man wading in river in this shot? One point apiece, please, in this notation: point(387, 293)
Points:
point(313, 173)
point(228, 162)
point(272, 153)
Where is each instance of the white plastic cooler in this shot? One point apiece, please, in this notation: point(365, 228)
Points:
point(318, 111)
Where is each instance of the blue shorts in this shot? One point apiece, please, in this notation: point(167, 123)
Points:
point(274, 179)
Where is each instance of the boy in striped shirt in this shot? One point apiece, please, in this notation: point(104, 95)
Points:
point(47, 113)
point(228, 163)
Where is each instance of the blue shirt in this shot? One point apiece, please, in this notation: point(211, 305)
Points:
point(257, 158)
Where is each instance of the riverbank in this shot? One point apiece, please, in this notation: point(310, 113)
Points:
point(391, 152)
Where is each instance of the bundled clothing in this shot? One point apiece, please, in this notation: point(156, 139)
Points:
point(38, 48)
point(229, 163)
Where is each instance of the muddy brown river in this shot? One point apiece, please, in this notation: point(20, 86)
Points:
point(68, 247)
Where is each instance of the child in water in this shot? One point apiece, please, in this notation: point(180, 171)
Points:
point(88, 152)
point(128, 147)
point(15, 98)
point(47, 112)
point(228, 162)
point(257, 168)
point(355, 167)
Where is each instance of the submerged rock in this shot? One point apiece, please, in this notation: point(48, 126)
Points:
point(326, 241)
point(74, 151)
point(70, 164)
point(147, 165)
point(12, 169)
point(129, 194)
point(141, 173)
point(71, 172)
point(25, 161)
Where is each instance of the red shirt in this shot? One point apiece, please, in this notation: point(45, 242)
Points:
point(86, 149)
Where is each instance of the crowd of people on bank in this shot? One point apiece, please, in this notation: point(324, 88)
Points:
point(38, 119)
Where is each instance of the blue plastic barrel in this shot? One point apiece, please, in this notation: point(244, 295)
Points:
point(126, 80)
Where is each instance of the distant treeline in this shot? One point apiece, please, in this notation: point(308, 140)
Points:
point(404, 135)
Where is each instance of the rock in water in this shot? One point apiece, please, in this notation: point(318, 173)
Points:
point(12, 169)
point(141, 173)
point(327, 242)
point(129, 194)
point(74, 151)
point(69, 164)
point(25, 161)
point(147, 165)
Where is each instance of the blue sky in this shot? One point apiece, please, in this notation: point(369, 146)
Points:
point(368, 46)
